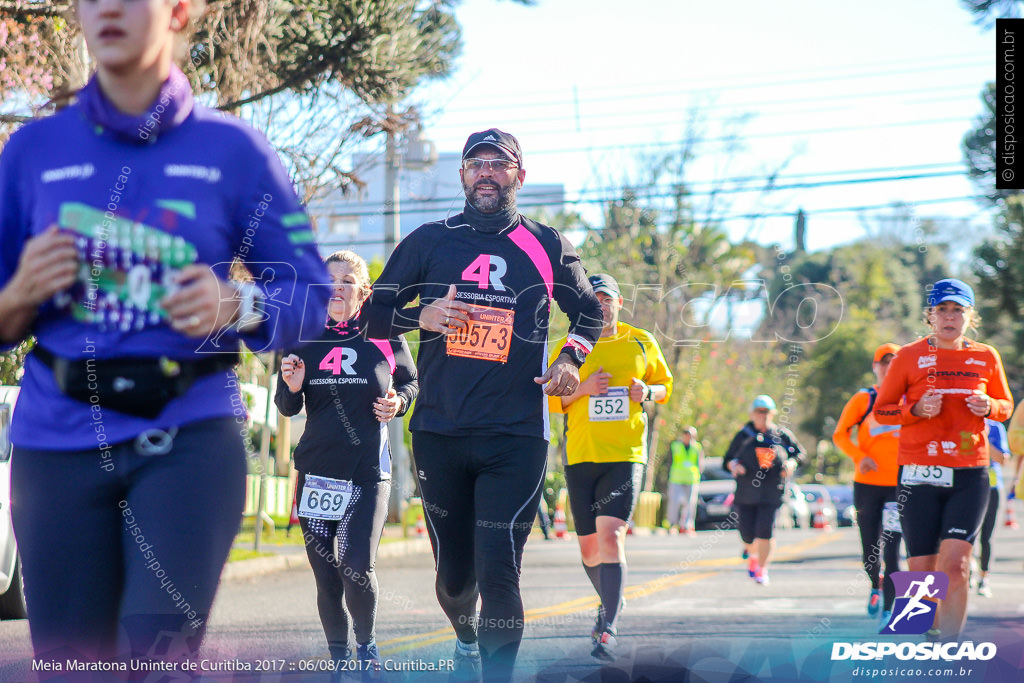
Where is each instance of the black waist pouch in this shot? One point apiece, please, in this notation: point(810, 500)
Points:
point(135, 386)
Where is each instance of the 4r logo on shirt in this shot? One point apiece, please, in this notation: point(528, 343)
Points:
point(485, 269)
point(340, 360)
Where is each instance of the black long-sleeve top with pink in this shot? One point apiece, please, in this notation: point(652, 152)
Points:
point(345, 372)
point(482, 381)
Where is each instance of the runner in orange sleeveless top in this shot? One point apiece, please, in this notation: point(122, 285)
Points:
point(940, 389)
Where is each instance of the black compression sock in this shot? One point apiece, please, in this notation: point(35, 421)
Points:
point(613, 583)
point(594, 574)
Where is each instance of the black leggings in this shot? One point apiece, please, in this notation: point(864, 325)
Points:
point(480, 496)
point(126, 562)
point(877, 544)
point(987, 527)
point(342, 554)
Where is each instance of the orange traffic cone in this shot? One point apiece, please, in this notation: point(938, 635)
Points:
point(821, 521)
point(421, 526)
point(561, 528)
point(1011, 515)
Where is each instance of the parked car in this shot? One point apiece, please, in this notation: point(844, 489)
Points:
point(842, 498)
point(794, 513)
point(714, 504)
point(12, 590)
point(819, 501)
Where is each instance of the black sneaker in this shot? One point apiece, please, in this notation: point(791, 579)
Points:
point(604, 648)
point(369, 661)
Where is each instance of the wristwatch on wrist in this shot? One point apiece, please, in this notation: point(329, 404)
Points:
point(648, 393)
point(577, 355)
point(250, 307)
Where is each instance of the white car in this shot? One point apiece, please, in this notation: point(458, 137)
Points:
point(12, 590)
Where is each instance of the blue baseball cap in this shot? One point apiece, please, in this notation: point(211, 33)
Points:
point(763, 402)
point(953, 290)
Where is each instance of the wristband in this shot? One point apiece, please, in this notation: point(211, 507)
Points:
point(649, 393)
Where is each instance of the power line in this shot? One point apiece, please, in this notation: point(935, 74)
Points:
point(519, 102)
point(745, 136)
point(815, 213)
point(660, 192)
point(739, 106)
point(777, 134)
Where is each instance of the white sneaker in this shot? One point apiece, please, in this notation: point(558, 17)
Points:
point(466, 662)
point(984, 590)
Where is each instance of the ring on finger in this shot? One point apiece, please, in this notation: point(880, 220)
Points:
point(193, 321)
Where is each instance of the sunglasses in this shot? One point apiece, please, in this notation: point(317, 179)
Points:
point(497, 165)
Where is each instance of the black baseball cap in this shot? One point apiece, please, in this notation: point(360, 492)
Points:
point(603, 282)
point(495, 138)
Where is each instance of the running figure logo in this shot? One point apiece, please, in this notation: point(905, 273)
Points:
point(913, 612)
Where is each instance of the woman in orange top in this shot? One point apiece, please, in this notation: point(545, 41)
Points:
point(874, 483)
point(940, 389)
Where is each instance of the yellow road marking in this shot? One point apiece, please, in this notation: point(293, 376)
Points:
point(669, 580)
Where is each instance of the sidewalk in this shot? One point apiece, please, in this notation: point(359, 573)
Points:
point(287, 557)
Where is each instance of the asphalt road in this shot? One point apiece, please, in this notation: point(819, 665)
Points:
point(692, 615)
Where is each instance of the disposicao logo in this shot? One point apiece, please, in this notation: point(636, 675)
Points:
point(913, 612)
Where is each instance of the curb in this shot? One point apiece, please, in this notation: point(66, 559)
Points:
point(259, 566)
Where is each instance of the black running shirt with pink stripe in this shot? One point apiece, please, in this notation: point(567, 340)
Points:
point(482, 383)
point(345, 374)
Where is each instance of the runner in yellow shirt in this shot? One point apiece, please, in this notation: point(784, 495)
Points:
point(607, 449)
point(1015, 432)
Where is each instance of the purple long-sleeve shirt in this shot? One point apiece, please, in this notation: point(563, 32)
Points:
point(145, 196)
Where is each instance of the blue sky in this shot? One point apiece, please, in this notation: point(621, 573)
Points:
point(832, 92)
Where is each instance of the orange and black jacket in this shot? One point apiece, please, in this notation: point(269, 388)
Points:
point(878, 441)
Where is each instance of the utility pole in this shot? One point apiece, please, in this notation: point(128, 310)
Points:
point(261, 506)
point(400, 488)
point(393, 161)
point(800, 236)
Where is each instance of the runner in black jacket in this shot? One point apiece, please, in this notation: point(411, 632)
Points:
point(761, 456)
point(486, 279)
point(352, 386)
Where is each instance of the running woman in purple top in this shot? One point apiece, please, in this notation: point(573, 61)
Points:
point(120, 217)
